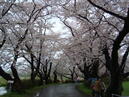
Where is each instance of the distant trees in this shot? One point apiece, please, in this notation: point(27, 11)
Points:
point(5, 8)
point(18, 26)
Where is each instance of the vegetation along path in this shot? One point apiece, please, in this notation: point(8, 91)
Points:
point(65, 90)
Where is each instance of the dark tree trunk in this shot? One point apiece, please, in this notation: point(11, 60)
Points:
point(94, 68)
point(31, 62)
point(72, 74)
point(33, 77)
point(32, 68)
point(112, 63)
point(61, 77)
point(4, 37)
point(41, 78)
point(17, 86)
point(116, 78)
point(85, 71)
point(47, 72)
point(72, 77)
point(46, 79)
point(5, 75)
point(33, 74)
point(55, 76)
point(115, 86)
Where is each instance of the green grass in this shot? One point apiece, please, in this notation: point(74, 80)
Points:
point(29, 88)
point(126, 88)
point(88, 91)
point(27, 92)
point(3, 82)
point(33, 89)
point(84, 89)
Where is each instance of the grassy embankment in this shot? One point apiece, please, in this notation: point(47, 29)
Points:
point(29, 88)
point(126, 88)
point(3, 82)
point(88, 91)
point(81, 87)
point(27, 93)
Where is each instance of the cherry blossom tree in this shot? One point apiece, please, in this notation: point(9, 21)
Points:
point(105, 23)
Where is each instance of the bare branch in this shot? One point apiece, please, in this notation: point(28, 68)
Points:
point(4, 38)
point(105, 10)
point(4, 12)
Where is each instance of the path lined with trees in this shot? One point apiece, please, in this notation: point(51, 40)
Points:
point(64, 40)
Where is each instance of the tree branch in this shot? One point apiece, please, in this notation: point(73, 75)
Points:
point(5, 75)
point(4, 39)
point(123, 63)
point(4, 12)
point(107, 57)
point(118, 41)
point(105, 10)
point(125, 75)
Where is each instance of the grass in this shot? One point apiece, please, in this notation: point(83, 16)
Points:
point(88, 91)
point(29, 88)
point(26, 93)
point(126, 88)
point(84, 89)
point(3, 82)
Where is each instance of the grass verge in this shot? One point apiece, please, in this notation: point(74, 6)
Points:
point(126, 88)
point(81, 87)
point(88, 91)
point(3, 82)
point(27, 92)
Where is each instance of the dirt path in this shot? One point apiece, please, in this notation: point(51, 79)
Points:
point(65, 90)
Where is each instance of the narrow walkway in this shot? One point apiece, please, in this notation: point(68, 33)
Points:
point(65, 90)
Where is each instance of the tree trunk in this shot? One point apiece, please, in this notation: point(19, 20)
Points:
point(46, 79)
point(33, 77)
point(17, 86)
point(41, 78)
point(55, 77)
point(32, 68)
point(61, 77)
point(5, 75)
point(115, 86)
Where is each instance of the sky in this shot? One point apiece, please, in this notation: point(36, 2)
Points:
point(59, 28)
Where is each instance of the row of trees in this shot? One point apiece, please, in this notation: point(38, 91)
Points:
point(29, 44)
point(97, 42)
point(25, 47)
point(100, 36)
